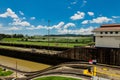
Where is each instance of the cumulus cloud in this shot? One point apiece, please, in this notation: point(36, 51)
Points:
point(115, 16)
point(21, 13)
point(69, 25)
point(81, 31)
point(85, 22)
point(14, 28)
point(78, 15)
point(60, 25)
point(32, 27)
point(91, 13)
point(101, 20)
point(32, 18)
point(21, 23)
point(9, 13)
point(98, 20)
point(16, 20)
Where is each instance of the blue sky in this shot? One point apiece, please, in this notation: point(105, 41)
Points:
point(30, 17)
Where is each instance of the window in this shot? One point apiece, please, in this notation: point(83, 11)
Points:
point(111, 32)
point(106, 32)
point(101, 32)
point(116, 32)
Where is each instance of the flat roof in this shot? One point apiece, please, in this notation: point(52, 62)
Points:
point(108, 27)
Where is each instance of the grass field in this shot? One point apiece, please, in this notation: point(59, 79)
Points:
point(4, 72)
point(53, 41)
point(56, 78)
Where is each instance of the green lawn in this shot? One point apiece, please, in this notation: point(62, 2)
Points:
point(5, 72)
point(11, 39)
point(56, 41)
point(46, 44)
point(56, 78)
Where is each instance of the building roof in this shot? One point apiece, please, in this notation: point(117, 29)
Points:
point(108, 27)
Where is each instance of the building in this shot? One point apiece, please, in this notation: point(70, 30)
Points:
point(108, 36)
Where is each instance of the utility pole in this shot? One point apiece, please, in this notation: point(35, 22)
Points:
point(48, 34)
point(68, 37)
point(16, 69)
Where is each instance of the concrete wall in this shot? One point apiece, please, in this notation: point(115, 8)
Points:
point(109, 56)
point(107, 41)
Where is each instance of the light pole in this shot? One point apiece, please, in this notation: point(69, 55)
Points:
point(68, 37)
point(16, 68)
point(48, 34)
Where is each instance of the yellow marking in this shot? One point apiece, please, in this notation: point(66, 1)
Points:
point(109, 74)
point(105, 69)
point(86, 72)
point(92, 73)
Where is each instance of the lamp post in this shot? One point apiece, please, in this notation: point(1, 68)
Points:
point(16, 68)
point(68, 37)
point(48, 34)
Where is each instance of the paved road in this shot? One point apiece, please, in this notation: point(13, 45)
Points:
point(74, 69)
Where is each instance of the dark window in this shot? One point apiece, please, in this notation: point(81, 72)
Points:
point(111, 32)
point(116, 32)
point(106, 32)
point(101, 32)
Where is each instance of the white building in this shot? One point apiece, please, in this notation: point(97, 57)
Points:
point(108, 36)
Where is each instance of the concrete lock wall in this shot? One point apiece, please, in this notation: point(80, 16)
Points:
point(109, 56)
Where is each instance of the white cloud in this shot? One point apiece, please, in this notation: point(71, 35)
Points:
point(81, 31)
point(9, 13)
point(16, 20)
point(101, 20)
point(84, 3)
point(21, 13)
point(32, 18)
point(14, 28)
point(85, 22)
point(1, 25)
point(69, 7)
point(24, 18)
point(40, 27)
point(62, 31)
point(78, 15)
point(21, 23)
point(73, 3)
point(31, 28)
point(69, 25)
point(60, 25)
point(91, 13)
point(98, 20)
point(115, 16)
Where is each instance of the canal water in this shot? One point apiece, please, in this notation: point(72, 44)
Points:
point(23, 65)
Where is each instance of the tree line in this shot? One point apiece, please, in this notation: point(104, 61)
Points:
point(11, 36)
